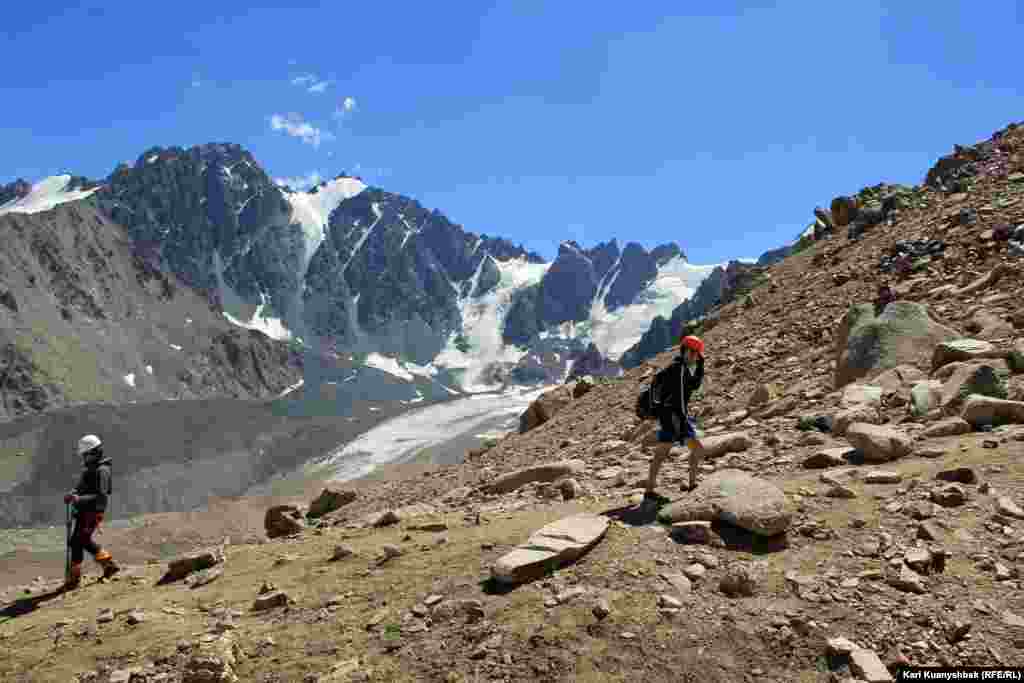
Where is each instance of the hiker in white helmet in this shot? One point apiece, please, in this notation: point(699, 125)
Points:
point(90, 499)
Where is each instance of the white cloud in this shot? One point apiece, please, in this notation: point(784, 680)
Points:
point(304, 80)
point(346, 108)
point(293, 125)
point(319, 87)
point(196, 83)
point(300, 182)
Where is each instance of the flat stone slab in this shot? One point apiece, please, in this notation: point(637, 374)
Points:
point(547, 472)
point(736, 497)
point(551, 546)
point(194, 562)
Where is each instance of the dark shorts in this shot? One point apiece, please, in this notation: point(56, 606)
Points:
point(688, 431)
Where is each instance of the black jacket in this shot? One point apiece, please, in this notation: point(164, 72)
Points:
point(680, 385)
point(93, 487)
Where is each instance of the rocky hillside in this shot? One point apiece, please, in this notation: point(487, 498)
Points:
point(88, 315)
point(860, 506)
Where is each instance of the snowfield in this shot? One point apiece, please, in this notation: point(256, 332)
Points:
point(614, 332)
point(313, 210)
point(45, 195)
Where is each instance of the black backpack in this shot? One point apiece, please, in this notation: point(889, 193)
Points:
point(652, 397)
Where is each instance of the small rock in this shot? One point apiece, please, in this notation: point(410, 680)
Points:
point(669, 602)
point(1005, 506)
point(908, 580)
point(883, 477)
point(270, 601)
point(918, 559)
point(389, 552)
point(120, 676)
point(601, 610)
point(693, 532)
point(569, 594)
point(741, 580)
point(695, 572)
point(342, 552)
point(958, 631)
point(1004, 573)
point(105, 616)
point(844, 492)
point(929, 531)
point(950, 495)
point(136, 616)
point(432, 600)
point(841, 646)
point(962, 475)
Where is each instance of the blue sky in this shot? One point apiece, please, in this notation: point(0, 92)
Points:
point(534, 121)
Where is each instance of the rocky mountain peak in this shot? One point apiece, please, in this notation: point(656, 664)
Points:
point(13, 191)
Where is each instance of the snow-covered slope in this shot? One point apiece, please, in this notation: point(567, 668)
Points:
point(483, 319)
point(614, 332)
point(45, 195)
point(312, 210)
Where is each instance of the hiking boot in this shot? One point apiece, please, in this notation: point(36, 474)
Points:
point(74, 578)
point(107, 562)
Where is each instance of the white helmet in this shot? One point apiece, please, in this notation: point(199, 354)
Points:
point(87, 443)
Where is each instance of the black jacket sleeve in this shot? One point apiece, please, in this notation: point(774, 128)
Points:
point(694, 379)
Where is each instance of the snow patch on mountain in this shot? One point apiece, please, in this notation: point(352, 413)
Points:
point(483, 319)
point(312, 210)
point(45, 195)
point(388, 365)
point(614, 332)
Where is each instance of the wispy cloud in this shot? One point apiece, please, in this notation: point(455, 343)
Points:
point(311, 82)
point(300, 182)
point(294, 125)
point(197, 80)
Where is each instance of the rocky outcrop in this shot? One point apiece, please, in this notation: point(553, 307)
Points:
point(866, 345)
point(14, 191)
point(544, 408)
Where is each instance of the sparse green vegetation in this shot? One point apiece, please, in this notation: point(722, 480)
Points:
point(62, 362)
point(462, 344)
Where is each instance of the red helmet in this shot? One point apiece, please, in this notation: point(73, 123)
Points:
point(695, 343)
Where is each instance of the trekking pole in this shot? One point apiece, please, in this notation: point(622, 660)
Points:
point(67, 544)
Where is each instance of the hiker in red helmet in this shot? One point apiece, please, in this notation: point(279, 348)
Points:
point(89, 498)
point(676, 424)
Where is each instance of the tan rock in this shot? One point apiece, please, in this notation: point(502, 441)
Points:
point(330, 500)
point(284, 520)
point(952, 426)
point(193, 562)
point(877, 443)
point(544, 408)
point(551, 546)
point(715, 446)
point(546, 472)
point(862, 413)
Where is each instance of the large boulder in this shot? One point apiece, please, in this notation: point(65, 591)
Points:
point(970, 378)
point(284, 520)
point(735, 497)
point(550, 547)
point(544, 408)
point(330, 500)
point(546, 472)
point(980, 411)
point(867, 345)
point(877, 443)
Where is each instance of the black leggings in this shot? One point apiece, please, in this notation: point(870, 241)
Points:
point(86, 524)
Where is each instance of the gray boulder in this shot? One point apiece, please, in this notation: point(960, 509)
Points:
point(868, 345)
point(877, 443)
point(735, 497)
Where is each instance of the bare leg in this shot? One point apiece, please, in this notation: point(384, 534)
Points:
point(661, 450)
point(696, 457)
